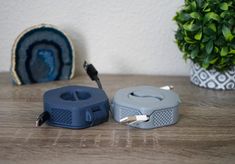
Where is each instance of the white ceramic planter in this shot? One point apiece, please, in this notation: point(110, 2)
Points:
point(212, 79)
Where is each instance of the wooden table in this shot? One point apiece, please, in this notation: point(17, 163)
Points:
point(205, 132)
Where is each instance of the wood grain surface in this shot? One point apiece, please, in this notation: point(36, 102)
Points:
point(205, 132)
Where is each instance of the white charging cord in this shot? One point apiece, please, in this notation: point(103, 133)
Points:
point(142, 118)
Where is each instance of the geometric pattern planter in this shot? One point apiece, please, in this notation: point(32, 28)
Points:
point(211, 78)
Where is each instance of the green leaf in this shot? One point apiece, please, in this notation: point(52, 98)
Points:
point(223, 14)
point(199, 3)
point(184, 47)
point(209, 47)
point(194, 53)
point(224, 6)
point(232, 52)
point(205, 39)
point(212, 15)
point(206, 63)
point(224, 51)
point(193, 5)
point(198, 36)
point(227, 33)
point(182, 17)
point(212, 27)
point(190, 26)
point(189, 40)
point(222, 61)
point(231, 21)
point(214, 60)
point(216, 49)
point(207, 10)
point(195, 15)
point(205, 5)
point(202, 46)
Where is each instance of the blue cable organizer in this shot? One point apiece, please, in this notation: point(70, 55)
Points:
point(76, 107)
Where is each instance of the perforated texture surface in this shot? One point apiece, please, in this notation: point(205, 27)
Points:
point(163, 117)
point(128, 112)
point(61, 116)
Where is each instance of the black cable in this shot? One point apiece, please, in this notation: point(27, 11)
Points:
point(99, 83)
point(43, 117)
point(92, 73)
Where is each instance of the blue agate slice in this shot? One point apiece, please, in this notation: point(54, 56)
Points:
point(40, 54)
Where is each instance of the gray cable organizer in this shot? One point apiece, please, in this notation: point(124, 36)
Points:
point(161, 106)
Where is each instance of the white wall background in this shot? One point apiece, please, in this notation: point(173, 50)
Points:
point(117, 36)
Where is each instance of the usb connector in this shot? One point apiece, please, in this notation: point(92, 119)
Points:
point(92, 73)
point(134, 119)
point(43, 117)
point(167, 87)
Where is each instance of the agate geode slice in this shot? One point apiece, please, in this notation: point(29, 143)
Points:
point(42, 53)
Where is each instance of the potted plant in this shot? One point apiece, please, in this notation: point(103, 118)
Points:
point(206, 36)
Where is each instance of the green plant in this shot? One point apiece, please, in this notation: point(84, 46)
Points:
point(206, 33)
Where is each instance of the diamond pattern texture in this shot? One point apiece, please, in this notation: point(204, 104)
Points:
point(161, 118)
point(212, 79)
point(128, 112)
point(61, 116)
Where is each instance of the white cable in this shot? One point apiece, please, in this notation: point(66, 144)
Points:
point(134, 119)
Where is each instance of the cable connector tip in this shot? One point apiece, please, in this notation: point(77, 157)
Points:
point(43, 117)
point(85, 64)
point(92, 73)
point(168, 87)
point(37, 123)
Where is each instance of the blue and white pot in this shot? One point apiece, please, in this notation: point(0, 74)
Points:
point(212, 79)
